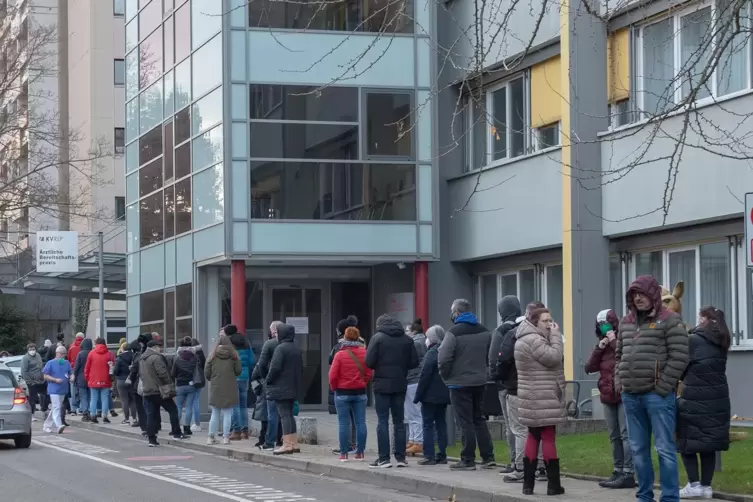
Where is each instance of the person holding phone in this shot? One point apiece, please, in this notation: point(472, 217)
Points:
point(603, 361)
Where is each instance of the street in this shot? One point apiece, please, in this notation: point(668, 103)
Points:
point(81, 465)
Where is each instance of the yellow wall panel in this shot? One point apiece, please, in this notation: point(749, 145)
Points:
point(546, 92)
point(618, 65)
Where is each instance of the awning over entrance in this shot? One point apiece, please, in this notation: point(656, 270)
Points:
point(81, 284)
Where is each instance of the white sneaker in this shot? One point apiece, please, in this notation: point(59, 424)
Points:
point(47, 430)
point(692, 491)
point(225, 441)
point(196, 428)
point(61, 429)
point(708, 493)
point(34, 419)
point(211, 440)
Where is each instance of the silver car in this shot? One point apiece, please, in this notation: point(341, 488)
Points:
point(15, 412)
point(14, 363)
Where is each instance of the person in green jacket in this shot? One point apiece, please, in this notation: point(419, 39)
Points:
point(221, 369)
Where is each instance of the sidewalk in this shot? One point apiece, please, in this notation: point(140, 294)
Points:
point(437, 481)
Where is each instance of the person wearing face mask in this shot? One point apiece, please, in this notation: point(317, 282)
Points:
point(651, 354)
point(57, 372)
point(412, 408)
point(158, 391)
point(433, 395)
point(31, 372)
point(271, 431)
point(602, 361)
point(541, 395)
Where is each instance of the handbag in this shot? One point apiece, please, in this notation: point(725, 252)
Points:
point(199, 380)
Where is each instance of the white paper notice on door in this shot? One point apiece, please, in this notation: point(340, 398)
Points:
point(301, 324)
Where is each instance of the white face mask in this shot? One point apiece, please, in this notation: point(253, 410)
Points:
point(428, 343)
point(33, 352)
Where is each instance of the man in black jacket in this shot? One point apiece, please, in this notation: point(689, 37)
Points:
point(509, 311)
point(283, 381)
point(259, 374)
point(391, 353)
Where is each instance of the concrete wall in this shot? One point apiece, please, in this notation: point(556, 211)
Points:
point(640, 187)
point(495, 220)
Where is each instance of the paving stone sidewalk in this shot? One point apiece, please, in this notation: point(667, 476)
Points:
point(436, 481)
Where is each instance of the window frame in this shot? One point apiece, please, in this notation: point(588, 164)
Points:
point(676, 27)
point(116, 330)
point(115, 63)
point(118, 146)
point(539, 284)
point(536, 141)
point(115, 11)
point(120, 202)
point(363, 124)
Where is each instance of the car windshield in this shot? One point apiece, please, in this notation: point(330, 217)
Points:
point(14, 364)
point(7, 381)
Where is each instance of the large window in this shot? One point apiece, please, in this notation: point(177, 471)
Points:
point(677, 61)
point(169, 313)
point(376, 16)
point(119, 72)
point(493, 287)
point(115, 331)
point(315, 155)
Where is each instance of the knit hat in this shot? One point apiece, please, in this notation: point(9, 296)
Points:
point(80, 335)
point(230, 329)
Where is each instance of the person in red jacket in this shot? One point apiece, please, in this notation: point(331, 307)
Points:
point(348, 377)
point(98, 373)
point(603, 361)
point(75, 348)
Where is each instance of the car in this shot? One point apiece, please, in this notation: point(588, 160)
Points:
point(14, 363)
point(15, 409)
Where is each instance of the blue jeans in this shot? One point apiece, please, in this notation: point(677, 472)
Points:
point(74, 398)
point(112, 404)
point(97, 396)
point(214, 421)
point(82, 400)
point(385, 405)
point(345, 405)
point(434, 418)
point(240, 410)
point(185, 394)
point(647, 413)
point(196, 409)
point(273, 420)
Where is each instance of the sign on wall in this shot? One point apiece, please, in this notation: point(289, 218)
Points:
point(749, 228)
point(400, 306)
point(57, 251)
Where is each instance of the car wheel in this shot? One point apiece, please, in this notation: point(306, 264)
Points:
point(23, 441)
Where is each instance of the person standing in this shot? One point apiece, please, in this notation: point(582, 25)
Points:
point(31, 371)
point(509, 311)
point(57, 372)
point(138, 347)
point(391, 354)
point(602, 361)
point(261, 370)
point(125, 390)
point(703, 407)
point(158, 390)
point(184, 373)
point(463, 361)
point(349, 322)
point(221, 369)
point(539, 360)
point(97, 371)
point(651, 354)
point(239, 427)
point(82, 387)
point(201, 360)
point(283, 382)
point(412, 409)
point(348, 378)
point(434, 397)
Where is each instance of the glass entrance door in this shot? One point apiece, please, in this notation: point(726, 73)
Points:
point(301, 306)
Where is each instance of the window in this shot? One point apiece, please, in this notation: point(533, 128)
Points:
point(168, 312)
point(375, 16)
point(119, 72)
point(616, 285)
point(547, 136)
point(118, 7)
point(120, 208)
point(119, 140)
point(553, 289)
point(520, 283)
point(489, 314)
point(677, 61)
point(115, 329)
point(620, 113)
point(150, 58)
point(152, 306)
point(310, 142)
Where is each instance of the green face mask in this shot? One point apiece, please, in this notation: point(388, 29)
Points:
point(606, 328)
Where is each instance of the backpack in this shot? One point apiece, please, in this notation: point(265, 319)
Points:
point(500, 366)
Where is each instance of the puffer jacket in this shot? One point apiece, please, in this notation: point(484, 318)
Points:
point(184, 366)
point(419, 341)
point(221, 371)
point(97, 368)
point(464, 353)
point(154, 372)
point(284, 376)
point(652, 347)
point(541, 377)
point(246, 355)
point(603, 361)
point(391, 354)
point(503, 361)
point(703, 408)
point(345, 375)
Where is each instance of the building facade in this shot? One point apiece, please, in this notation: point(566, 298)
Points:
point(278, 173)
point(600, 161)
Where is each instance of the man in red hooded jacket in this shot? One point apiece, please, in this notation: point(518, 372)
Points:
point(75, 348)
point(98, 377)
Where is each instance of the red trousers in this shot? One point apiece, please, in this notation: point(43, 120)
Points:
point(545, 436)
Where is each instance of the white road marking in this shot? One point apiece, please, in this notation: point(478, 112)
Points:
point(232, 486)
point(253, 493)
point(70, 444)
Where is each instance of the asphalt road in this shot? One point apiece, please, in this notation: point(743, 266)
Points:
point(81, 466)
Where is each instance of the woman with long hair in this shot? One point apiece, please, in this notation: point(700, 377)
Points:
point(703, 406)
point(221, 368)
point(541, 394)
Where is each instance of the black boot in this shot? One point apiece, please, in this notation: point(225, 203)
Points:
point(621, 481)
point(605, 482)
point(187, 430)
point(529, 475)
point(554, 487)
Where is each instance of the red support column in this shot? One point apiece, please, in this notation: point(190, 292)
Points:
point(421, 296)
point(238, 294)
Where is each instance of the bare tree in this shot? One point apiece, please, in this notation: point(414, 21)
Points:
point(47, 169)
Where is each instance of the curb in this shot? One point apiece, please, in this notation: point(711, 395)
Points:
point(402, 483)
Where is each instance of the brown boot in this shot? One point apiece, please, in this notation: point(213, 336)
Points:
point(235, 436)
point(286, 448)
point(244, 434)
point(414, 449)
point(294, 443)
